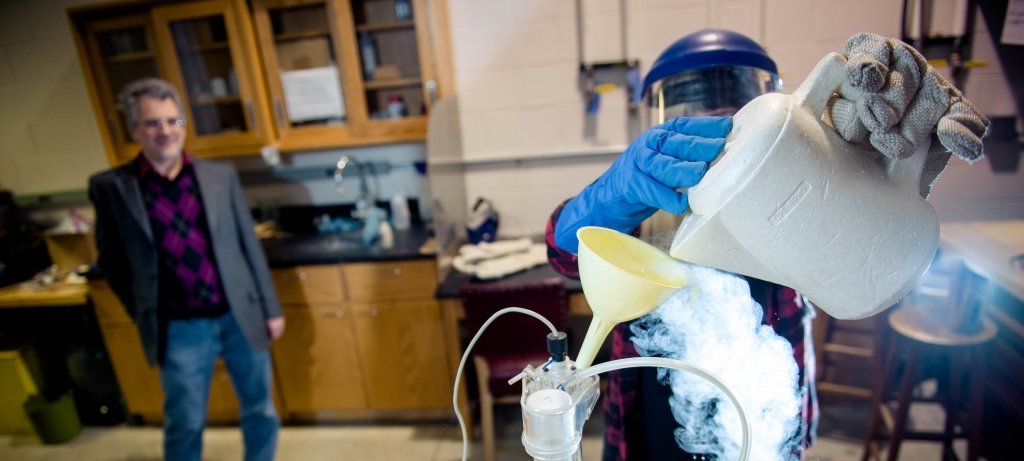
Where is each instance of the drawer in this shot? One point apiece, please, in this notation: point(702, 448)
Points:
point(390, 280)
point(309, 284)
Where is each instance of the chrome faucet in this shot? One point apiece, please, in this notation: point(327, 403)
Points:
point(339, 175)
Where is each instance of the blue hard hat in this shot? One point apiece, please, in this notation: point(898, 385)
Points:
point(709, 48)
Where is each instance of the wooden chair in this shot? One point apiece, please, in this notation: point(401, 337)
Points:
point(510, 342)
point(953, 332)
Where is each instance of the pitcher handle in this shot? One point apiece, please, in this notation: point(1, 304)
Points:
point(824, 80)
point(814, 93)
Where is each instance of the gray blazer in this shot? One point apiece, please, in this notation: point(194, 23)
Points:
point(128, 254)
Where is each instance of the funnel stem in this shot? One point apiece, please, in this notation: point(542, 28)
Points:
point(598, 331)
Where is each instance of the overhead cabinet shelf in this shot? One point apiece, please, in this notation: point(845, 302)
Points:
point(386, 26)
point(298, 74)
point(131, 57)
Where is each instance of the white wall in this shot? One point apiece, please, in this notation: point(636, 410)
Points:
point(516, 73)
point(49, 140)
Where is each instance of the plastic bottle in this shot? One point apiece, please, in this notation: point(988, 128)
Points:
point(397, 107)
point(369, 55)
point(387, 237)
point(403, 10)
point(400, 212)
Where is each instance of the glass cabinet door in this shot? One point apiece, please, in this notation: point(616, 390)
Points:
point(303, 44)
point(394, 58)
point(122, 51)
point(201, 46)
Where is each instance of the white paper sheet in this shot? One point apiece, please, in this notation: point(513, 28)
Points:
point(313, 94)
point(1013, 28)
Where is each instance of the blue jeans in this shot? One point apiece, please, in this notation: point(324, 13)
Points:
point(193, 346)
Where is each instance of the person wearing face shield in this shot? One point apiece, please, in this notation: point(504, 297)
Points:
point(690, 92)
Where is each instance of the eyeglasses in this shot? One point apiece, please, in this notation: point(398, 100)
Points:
point(157, 124)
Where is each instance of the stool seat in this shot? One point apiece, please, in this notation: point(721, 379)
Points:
point(918, 322)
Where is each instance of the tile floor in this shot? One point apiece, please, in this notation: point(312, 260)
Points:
point(842, 427)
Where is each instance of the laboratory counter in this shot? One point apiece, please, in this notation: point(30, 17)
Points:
point(309, 249)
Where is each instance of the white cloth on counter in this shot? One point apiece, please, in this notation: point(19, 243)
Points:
point(493, 260)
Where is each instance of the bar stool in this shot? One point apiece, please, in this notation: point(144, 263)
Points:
point(920, 331)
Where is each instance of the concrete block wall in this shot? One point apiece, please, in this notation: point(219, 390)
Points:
point(516, 73)
point(49, 140)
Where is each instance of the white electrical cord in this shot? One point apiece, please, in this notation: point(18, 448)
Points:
point(465, 355)
point(678, 365)
point(596, 370)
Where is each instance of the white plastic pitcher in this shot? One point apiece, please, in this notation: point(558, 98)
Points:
point(791, 202)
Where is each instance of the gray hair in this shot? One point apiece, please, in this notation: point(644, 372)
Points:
point(128, 99)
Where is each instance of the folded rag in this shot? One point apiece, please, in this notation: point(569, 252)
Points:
point(894, 100)
point(487, 261)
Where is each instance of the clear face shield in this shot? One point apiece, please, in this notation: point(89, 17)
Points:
point(719, 90)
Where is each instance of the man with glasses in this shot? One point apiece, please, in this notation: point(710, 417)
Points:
point(176, 242)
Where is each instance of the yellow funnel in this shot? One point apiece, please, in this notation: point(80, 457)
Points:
point(623, 278)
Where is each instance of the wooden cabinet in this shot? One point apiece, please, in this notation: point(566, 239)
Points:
point(139, 382)
point(118, 51)
point(404, 360)
point(361, 341)
point(317, 362)
point(348, 72)
point(202, 47)
point(296, 74)
point(206, 49)
point(377, 349)
point(308, 57)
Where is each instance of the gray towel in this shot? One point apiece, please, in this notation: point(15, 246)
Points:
point(892, 99)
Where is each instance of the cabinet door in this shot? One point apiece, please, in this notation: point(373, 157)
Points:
point(206, 47)
point(121, 51)
point(316, 361)
point(310, 71)
point(140, 383)
point(404, 355)
point(396, 66)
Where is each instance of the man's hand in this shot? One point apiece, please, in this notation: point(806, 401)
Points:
point(894, 100)
point(645, 178)
point(275, 327)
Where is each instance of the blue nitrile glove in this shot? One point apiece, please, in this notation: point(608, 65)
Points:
point(645, 177)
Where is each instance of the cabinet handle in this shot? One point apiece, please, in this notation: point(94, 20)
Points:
point(334, 315)
point(432, 91)
point(252, 115)
point(303, 276)
point(279, 113)
point(397, 271)
point(374, 312)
